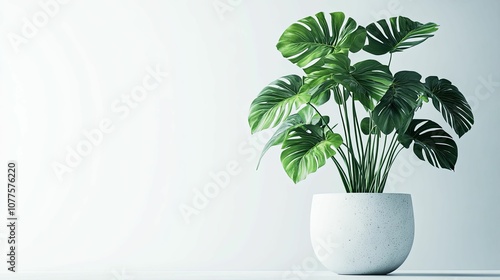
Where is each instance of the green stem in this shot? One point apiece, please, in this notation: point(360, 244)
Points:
point(386, 175)
point(320, 115)
point(347, 160)
point(343, 176)
point(388, 161)
point(357, 132)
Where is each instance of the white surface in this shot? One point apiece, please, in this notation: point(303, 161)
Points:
point(119, 207)
point(262, 275)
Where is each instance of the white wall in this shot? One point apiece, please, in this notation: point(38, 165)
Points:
point(119, 205)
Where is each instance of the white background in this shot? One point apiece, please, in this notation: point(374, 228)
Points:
point(119, 207)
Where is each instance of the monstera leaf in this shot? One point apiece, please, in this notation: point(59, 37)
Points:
point(306, 115)
point(403, 33)
point(320, 91)
point(397, 106)
point(368, 126)
point(306, 149)
point(331, 65)
point(312, 38)
point(276, 101)
point(430, 143)
point(452, 104)
point(367, 80)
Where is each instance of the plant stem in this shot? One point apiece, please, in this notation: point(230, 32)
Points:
point(357, 132)
point(388, 161)
point(367, 164)
point(351, 156)
point(320, 115)
point(343, 176)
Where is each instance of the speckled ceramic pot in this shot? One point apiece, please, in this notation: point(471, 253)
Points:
point(362, 233)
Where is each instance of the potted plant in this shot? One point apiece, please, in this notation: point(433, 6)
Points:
point(367, 231)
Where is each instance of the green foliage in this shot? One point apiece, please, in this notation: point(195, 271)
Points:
point(304, 116)
point(367, 80)
point(447, 99)
point(306, 148)
point(396, 108)
point(432, 141)
point(369, 140)
point(312, 38)
point(403, 33)
point(276, 101)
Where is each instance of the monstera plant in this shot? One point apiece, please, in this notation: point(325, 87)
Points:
point(376, 112)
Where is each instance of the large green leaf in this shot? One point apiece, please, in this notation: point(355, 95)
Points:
point(311, 38)
point(403, 33)
point(430, 143)
point(320, 92)
point(452, 104)
point(304, 116)
point(367, 80)
point(368, 126)
point(276, 101)
point(396, 108)
point(306, 149)
point(330, 66)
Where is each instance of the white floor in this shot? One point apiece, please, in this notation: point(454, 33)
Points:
point(253, 275)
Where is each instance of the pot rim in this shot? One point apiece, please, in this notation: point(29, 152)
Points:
point(360, 194)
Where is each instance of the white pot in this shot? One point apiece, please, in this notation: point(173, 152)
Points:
point(362, 233)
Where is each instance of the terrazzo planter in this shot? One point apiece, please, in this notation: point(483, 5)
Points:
point(362, 233)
